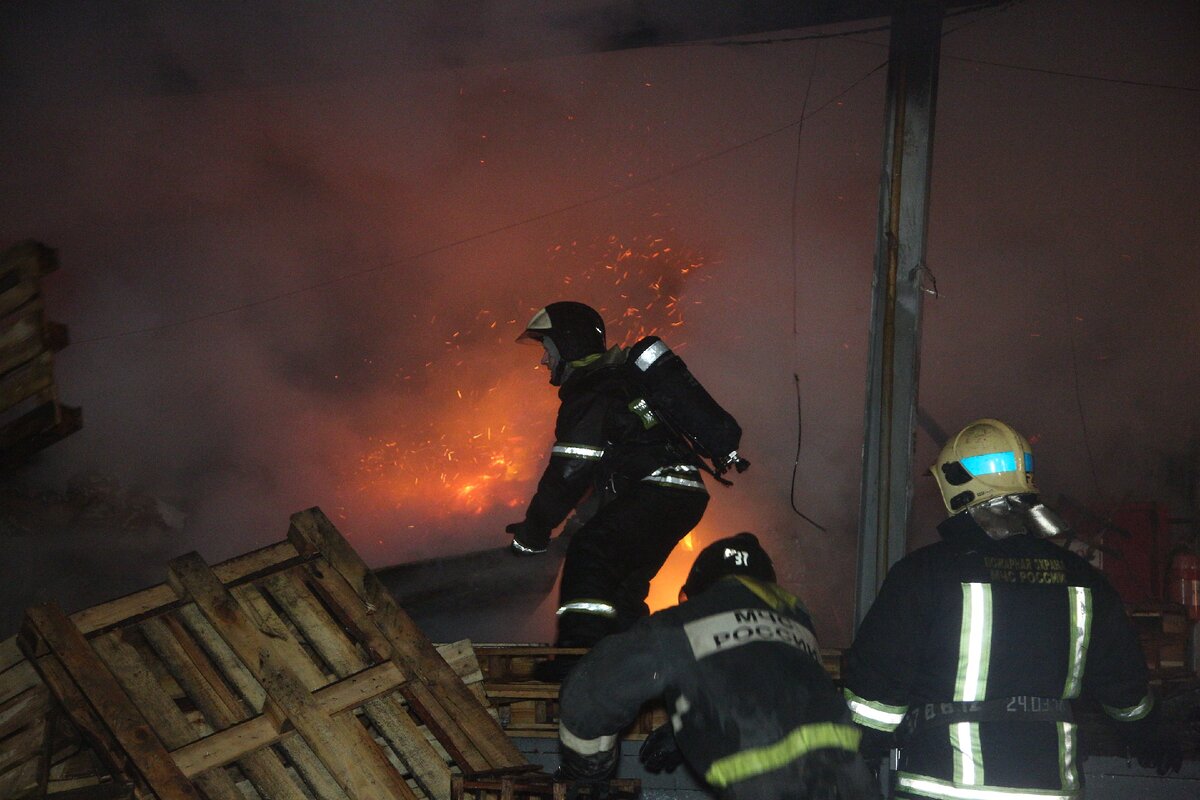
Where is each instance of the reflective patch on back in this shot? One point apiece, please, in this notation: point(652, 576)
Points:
point(722, 632)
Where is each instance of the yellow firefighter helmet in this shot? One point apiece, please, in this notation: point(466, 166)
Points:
point(985, 460)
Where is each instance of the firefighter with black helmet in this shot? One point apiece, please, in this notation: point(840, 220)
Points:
point(647, 485)
point(975, 647)
point(736, 664)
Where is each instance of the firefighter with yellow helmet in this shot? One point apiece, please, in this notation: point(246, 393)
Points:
point(976, 645)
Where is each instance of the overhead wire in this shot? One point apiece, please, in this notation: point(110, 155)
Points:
point(795, 208)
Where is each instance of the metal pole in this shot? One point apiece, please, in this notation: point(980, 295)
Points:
point(893, 357)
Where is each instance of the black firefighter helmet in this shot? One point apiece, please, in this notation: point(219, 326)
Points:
point(577, 330)
point(736, 555)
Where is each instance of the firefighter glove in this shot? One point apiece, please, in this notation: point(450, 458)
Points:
point(527, 542)
point(659, 752)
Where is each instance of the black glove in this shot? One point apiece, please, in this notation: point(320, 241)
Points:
point(659, 752)
point(527, 542)
point(1159, 753)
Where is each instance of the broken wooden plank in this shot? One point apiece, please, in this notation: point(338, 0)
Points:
point(465, 722)
point(121, 717)
point(344, 746)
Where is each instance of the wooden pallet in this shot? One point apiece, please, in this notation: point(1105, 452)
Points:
point(31, 417)
point(289, 670)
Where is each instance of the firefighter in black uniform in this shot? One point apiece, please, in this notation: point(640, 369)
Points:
point(647, 486)
point(976, 645)
point(737, 667)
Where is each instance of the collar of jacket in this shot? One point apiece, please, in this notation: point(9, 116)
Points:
point(771, 594)
point(961, 529)
point(589, 369)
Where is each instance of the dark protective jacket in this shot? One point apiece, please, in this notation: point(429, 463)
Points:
point(605, 434)
point(738, 669)
point(971, 649)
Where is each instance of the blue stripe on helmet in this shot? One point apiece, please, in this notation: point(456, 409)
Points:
point(990, 463)
point(1029, 462)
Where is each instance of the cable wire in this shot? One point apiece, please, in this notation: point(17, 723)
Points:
point(796, 289)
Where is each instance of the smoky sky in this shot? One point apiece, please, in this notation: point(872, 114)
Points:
point(286, 233)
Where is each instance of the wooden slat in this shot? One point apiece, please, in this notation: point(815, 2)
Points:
point(17, 679)
point(25, 745)
point(232, 743)
point(461, 658)
point(166, 719)
point(22, 335)
point(10, 656)
point(161, 597)
point(387, 715)
point(425, 704)
point(522, 691)
point(469, 724)
point(21, 781)
point(91, 728)
point(20, 268)
point(233, 671)
point(340, 742)
point(21, 711)
point(111, 704)
point(31, 377)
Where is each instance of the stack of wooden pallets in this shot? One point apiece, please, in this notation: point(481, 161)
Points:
point(284, 673)
point(31, 416)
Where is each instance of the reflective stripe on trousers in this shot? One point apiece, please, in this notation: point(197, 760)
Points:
point(597, 607)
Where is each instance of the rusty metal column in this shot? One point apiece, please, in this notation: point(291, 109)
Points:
point(893, 357)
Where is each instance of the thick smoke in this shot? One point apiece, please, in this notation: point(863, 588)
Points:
point(189, 160)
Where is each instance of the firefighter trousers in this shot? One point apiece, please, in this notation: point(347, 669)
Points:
point(612, 558)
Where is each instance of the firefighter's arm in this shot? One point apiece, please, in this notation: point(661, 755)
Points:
point(578, 448)
point(1115, 672)
point(884, 658)
point(603, 694)
point(1117, 677)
